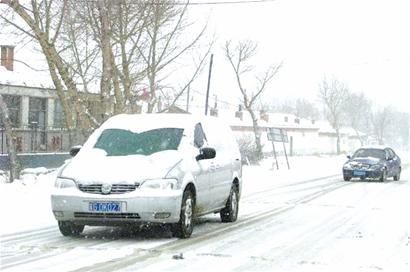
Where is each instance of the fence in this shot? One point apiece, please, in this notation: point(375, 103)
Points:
point(37, 140)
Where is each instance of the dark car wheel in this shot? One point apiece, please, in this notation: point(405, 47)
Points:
point(185, 225)
point(383, 176)
point(346, 178)
point(70, 229)
point(397, 177)
point(230, 212)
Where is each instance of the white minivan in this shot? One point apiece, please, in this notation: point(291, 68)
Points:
point(157, 168)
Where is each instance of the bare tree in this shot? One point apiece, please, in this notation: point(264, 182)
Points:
point(43, 20)
point(15, 166)
point(306, 109)
point(334, 95)
point(359, 122)
point(239, 57)
point(382, 120)
point(162, 45)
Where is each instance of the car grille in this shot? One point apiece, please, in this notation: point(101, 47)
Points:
point(361, 167)
point(88, 215)
point(115, 189)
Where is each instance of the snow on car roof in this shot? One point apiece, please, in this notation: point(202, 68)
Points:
point(141, 122)
point(373, 147)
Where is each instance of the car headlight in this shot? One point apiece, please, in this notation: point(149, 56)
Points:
point(347, 166)
point(64, 183)
point(164, 184)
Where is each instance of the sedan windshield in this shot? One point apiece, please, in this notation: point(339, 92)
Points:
point(120, 142)
point(373, 153)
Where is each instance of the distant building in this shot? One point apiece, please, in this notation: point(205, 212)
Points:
point(34, 108)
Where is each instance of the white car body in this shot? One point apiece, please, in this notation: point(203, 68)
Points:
point(98, 188)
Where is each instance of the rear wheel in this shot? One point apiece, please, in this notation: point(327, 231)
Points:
point(69, 228)
point(230, 212)
point(346, 178)
point(397, 177)
point(185, 226)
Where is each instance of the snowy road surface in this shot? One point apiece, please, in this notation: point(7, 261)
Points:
point(304, 219)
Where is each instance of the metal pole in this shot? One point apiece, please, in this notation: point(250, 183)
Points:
point(274, 154)
point(284, 148)
point(209, 83)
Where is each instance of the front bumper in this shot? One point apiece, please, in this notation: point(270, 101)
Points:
point(372, 174)
point(156, 206)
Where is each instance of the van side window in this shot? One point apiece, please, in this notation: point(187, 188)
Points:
point(199, 136)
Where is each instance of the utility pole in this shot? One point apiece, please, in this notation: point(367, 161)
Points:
point(209, 83)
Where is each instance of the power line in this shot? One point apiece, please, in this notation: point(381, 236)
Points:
point(224, 2)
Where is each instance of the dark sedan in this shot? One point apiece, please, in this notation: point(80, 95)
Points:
point(377, 162)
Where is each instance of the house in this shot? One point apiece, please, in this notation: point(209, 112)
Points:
point(34, 108)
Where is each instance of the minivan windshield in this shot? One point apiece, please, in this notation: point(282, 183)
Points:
point(121, 142)
point(373, 153)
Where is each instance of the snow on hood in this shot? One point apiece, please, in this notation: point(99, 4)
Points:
point(96, 167)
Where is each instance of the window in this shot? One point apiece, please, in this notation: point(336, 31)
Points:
point(120, 142)
point(13, 103)
point(37, 112)
point(58, 115)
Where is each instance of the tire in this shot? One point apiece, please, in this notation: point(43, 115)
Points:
point(362, 178)
point(185, 226)
point(345, 178)
point(230, 212)
point(70, 229)
point(397, 177)
point(384, 176)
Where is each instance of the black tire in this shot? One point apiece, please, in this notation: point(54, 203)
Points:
point(70, 229)
point(230, 212)
point(383, 176)
point(345, 178)
point(397, 177)
point(185, 226)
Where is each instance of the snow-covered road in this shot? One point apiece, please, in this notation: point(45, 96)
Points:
point(303, 219)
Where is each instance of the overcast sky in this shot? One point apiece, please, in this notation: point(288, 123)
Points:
point(364, 43)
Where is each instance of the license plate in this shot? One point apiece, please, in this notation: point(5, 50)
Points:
point(359, 173)
point(105, 206)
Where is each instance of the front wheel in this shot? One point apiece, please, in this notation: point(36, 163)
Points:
point(383, 176)
point(230, 212)
point(185, 225)
point(397, 177)
point(346, 178)
point(70, 229)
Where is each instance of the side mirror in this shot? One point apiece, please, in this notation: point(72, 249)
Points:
point(74, 150)
point(206, 153)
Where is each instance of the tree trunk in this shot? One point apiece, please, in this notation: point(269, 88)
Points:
point(257, 134)
point(14, 163)
point(338, 141)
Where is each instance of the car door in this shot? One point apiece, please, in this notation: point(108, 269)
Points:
point(221, 166)
point(393, 162)
point(389, 162)
point(203, 173)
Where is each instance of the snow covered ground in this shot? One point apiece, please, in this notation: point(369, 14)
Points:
point(303, 219)
point(25, 203)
